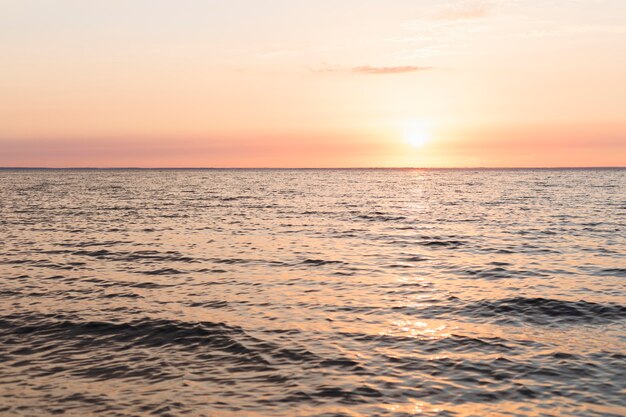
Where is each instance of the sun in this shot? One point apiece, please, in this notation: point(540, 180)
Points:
point(417, 134)
point(418, 139)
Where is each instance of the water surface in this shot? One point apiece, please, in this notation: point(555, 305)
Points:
point(312, 292)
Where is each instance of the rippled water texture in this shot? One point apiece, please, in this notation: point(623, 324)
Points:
point(312, 292)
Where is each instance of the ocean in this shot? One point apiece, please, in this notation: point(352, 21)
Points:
point(313, 292)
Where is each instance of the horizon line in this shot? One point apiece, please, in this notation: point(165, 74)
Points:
point(305, 168)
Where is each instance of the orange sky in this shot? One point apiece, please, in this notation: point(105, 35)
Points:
point(278, 83)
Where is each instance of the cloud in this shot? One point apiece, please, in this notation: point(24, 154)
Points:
point(552, 30)
point(370, 70)
point(388, 70)
point(466, 10)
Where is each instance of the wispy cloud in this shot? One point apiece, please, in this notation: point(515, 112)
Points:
point(446, 29)
point(553, 30)
point(469, 9)
point(388, 70)
point(372, 70)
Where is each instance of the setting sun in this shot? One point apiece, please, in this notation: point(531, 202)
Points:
point(417, 134)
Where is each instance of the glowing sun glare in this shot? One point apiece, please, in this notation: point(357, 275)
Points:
point(417, 134)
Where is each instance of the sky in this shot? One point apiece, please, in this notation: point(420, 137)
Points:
point(312, 83)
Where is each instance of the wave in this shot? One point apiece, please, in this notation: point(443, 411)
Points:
point(61, 332)
point(144, 255)
point(378, 216)
point(452, 343)
point(164, 271)
point(498, 271)
point(516, 310)
point(145, 332)
point(442, 243)
point(319, 262)
point(511, 378)
point(613, 272)
point(546, 310)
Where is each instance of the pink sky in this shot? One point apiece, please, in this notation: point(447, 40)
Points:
point(313, 83)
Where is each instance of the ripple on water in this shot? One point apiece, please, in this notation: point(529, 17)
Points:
point(312, 292)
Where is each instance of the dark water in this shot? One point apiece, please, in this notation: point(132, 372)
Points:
point(313, 292)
